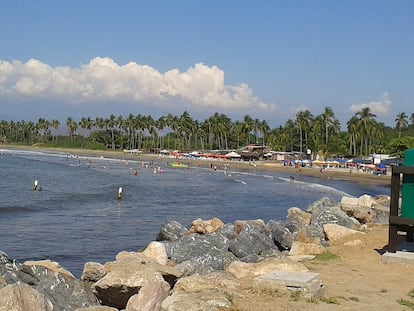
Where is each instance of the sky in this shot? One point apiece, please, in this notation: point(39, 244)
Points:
point(267, 59)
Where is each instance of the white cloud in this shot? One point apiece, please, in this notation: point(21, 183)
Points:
point(103, 80)
point(380, 107)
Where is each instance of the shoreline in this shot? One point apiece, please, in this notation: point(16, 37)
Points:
point(265, 166)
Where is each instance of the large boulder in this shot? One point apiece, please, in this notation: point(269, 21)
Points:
point(206, 252)
point(242, 270)
point(171, 231)
point(64, 291)
point(22, 297)
point(57, 285)
point(149, 297)
point(156, 250)
point(92, 272)
point(206, 226)
point(325, 211)
point(297, 215)
point(127, 276)
point(281, 235)
point(252, 240)
point(336, 232)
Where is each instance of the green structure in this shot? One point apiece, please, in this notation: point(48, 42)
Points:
point(407, 189)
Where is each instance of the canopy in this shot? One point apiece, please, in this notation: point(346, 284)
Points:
point(233, 155)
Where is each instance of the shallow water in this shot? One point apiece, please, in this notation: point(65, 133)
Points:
point(77, 217)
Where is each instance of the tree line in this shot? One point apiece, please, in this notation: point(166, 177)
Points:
point(321, 133)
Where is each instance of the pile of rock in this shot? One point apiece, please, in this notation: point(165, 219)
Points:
point(196, 268)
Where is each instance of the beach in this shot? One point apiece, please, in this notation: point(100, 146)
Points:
point(271, 166)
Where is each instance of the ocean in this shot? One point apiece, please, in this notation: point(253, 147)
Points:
point(77, 216)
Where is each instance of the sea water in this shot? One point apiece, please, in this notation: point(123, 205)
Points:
point(77, 216)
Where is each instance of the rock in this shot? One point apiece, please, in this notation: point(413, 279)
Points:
point(198, 283)
point(296, 214)
point(206, 226)
point(228, 231)
point(171, 231)
point(206, 252)
point(127, 276)
point(156, 250)
point(301, 248)
point(308, 283)
point(149, 297)
point(205, 301)
point(64, 292)
point(252, 240)
point(57, 285)
point(22, 297)
point(325, 211)
point(124, 254)
point(240, 224)
point(311, 234)
point(241, 270)
point(51, 265)
point(334, 232)
point(282, 236)
point(359, 208)
point(92, 272)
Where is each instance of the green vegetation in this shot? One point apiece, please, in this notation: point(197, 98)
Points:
point(319, 133)
point(330, 300)
point(407, 302)
point(295, 295)
point(326, 256)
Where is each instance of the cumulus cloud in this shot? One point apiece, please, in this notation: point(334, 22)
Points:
point(379, 107)
point(103, 80)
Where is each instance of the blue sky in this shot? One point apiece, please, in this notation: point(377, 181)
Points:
point(268, 59)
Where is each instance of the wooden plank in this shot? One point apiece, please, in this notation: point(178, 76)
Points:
point(401, 221)
point(403, 169)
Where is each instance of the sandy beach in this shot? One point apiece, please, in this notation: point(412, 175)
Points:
point(273, 166)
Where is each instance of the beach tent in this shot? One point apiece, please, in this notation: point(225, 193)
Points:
point(233, 155)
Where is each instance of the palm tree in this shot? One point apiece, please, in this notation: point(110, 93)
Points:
point(329, 122)
point(303, 120)
point(72, 126)
point(353, 134)
point(247, 126)
point(54, 124)
point(366, 120)
point(401, 122)
point(42, 126)
point(111, 124)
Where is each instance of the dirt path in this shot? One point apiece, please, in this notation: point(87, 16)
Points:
point(357, 280)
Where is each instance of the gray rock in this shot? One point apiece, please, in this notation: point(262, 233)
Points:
point(324, 211)
point(253, 239)
point(196, 245)
point(171, 231)
point(64, 292)
point(281, 235)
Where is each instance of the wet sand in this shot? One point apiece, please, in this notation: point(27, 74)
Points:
point(271, 166)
